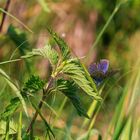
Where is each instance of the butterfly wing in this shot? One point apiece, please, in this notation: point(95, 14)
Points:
point(92, 68)
point(100, 71)
point(103, 65)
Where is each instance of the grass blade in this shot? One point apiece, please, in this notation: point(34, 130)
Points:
point(44, 120)
point(10, 15)
point(20, 127)
point(15, 89)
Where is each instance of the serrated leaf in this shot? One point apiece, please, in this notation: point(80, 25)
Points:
point(61, 43)
point(68, 88)
point(11, 108)
point(46, 52)
point(51, 54)
point(18, 37)
point(75, 71)
point(33, 85)
point(20, 40)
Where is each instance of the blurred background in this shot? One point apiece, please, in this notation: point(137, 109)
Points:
point(79, 22)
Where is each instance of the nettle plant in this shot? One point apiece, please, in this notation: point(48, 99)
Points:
point(67, 76)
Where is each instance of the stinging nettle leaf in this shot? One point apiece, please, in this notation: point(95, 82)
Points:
point(47, 52)
point(18, 37)
point(33, 85)
point(75, 71)
point(61, 43)
point(68, 88)
point(11, 108)
point(51, 54)
point(20, 40)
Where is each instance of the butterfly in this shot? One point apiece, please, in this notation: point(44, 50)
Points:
point(100, 71)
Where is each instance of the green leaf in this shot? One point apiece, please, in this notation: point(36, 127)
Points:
point(19, 38)
point(33, 85)
point(68, 88)
point(75, 71)
point(51, 54)
point(46, 52)
point(11, 108)
point(89, 78)
point(61, 43)
point(15, 89)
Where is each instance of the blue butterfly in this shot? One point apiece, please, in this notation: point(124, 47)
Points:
point(99, 71)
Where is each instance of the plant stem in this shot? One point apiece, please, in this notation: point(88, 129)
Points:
point(10, 61)
point(4, 14)
point(45, 91)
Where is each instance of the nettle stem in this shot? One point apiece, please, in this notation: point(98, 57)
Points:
point(45, 91)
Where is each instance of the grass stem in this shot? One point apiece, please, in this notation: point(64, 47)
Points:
point(4, 14)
